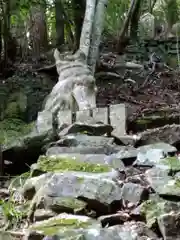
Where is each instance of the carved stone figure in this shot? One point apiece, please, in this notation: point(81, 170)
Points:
point(75, 89)
point(147, 26)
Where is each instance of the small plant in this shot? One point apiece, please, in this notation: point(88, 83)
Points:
point(12, 214)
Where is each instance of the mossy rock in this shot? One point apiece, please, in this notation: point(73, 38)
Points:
point(152, 209)
point(11, 129)
point(16, 106)
point(63, 223)
point(59, 164)
point(18, 182)
point(172, 188)
point(72, 204)
point(172, 61)
point(173, 163)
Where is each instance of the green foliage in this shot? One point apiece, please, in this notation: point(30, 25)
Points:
point(115, 16)
point(171, 10)
point(11, 129)
point(57, 164)
point(12, 213)
point(19, 181)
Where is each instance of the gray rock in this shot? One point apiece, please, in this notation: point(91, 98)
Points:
point(98, 190)
point(149, 157)
point(169, 225)
point(137, 179)
point(43, 214)
point(91, 230)
point(114, 219)
point(26, 147)
point(84, 140)
point(108, 149)
point(134, 193)
point(89, 127)
point(131, 171)
point(118, 119)
point(162, 183)
point(90, 186)
point(168, 133)
point(154, 210)
point(64, 224)
point(44, 122)
point(87, 158)
point(129, 140)
point(167, 148)
point(127, 154)
point(157, 178)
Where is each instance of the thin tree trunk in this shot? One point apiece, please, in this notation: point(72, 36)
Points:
point(153, 3)
point(59, 22)
point(79, 8)
point(86, 32)
point(121, 45)
point(38, 31)
point(6, 29)
point(97, 29)
point(135, 21)
point(0, 37)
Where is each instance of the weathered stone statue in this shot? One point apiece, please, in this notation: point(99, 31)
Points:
point(175, 31)
point(75, 89)
point(147, 26)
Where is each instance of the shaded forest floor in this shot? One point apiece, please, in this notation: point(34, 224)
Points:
point(143, 90)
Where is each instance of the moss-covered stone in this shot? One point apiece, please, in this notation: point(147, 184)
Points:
point(16, 106)
point(143, 121)
point(11, 129)
point(152, 209)
point(19, 181)
point(70, 203)
point(173, 163)
point(62, 223)
point(172, 188)
point(57, 164)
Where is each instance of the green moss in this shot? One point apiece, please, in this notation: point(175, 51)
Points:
point(172, 188)
point(55, 225)
point(69, 202)
point(19, 181)
point(143, 121)
point(151, 210)
point(16, 105)
point(12, 110)
point(172, 162)
point(56, 164)
point(11, 129)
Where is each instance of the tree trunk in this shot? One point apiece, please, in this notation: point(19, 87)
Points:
point(0, 37)
point(135, 21)
point(122, 36)
point(59, 13)
point(96, 33)
point(38, 30)
point(79, 7)
point(152, 5)
point(6, 29)
point(86, 33)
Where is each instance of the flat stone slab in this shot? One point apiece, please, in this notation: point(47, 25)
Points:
point(118, 119)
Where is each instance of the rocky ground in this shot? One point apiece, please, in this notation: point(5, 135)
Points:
point(77, 185)
point(86, 187)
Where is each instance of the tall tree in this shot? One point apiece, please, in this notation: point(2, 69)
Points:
point(135, 20)
point(123, 32)
point(38, 29)
point(79, 7)
point(59, 15)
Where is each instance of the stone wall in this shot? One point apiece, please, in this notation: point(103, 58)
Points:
point(166, 48)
